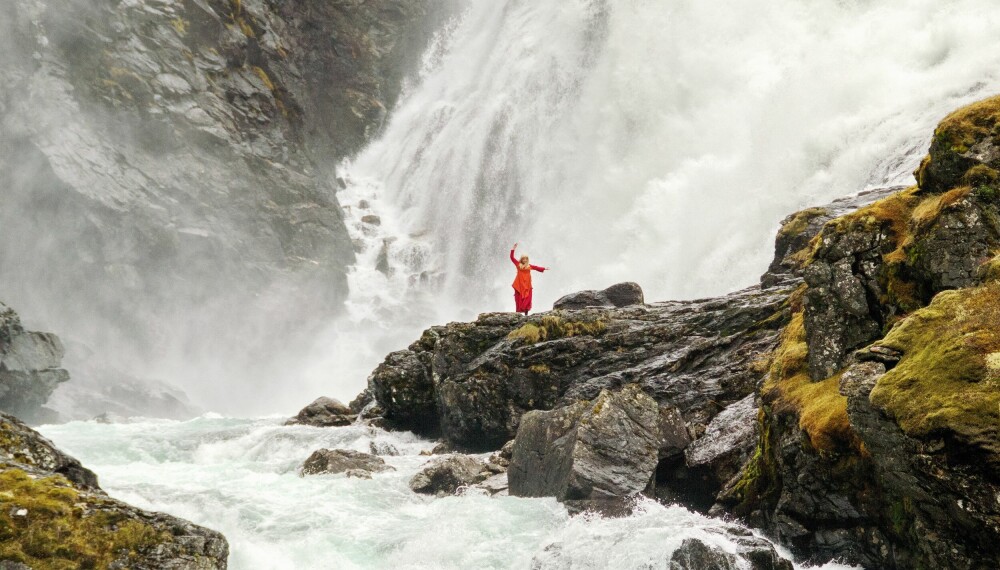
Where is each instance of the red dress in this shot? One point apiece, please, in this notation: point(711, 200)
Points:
point(522, 285)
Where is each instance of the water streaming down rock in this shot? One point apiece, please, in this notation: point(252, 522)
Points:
point(653, 142)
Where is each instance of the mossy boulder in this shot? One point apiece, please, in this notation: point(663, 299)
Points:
point(947, 383)
point(53, 515)
point(965, 149)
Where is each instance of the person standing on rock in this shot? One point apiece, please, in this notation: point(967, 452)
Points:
point(522, 283)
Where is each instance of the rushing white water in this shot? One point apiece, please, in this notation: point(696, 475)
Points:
point(239, 477)
point(659, 142)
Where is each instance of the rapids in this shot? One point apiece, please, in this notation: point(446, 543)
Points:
point(239, 476)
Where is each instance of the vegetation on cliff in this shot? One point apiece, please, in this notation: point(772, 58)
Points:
point(947, 383)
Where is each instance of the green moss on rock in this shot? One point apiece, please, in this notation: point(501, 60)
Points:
point(819, 406)
point(948, 381)
point(962, 142)
point(551, 327)
point(44, 524)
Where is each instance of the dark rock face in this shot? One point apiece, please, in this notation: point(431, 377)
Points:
point(471, 383)
point(727, 442)
point(333, 461)
point(842, 279)
point(445, 475)
point(755, 553)
point(694, 554)
point(603, 450)
point(791, 246)
point(324, 412)
point(950, 250)
point(618, 295)
point(32, 469)
point(30, 369)
point(185, 152)
point(942, 515)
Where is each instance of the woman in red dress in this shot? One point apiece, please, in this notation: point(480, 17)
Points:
point(522, 283)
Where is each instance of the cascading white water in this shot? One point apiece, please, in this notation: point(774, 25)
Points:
point(659, 142)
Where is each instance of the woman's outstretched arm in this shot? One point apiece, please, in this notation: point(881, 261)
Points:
point(539, 268)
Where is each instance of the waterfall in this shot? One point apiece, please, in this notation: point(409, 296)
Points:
point(657, 142)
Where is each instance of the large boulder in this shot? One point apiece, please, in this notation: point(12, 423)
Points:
point(728, 441)
point(334, 461)
point(54, 515)
point(324, 412)
point(603, 450)
point(30, 369)
point(752, 552)
point(618, 295)
point(446, 475)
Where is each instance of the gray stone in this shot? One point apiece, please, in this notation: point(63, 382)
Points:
point(30, 369)
point(324, 412)
point(618, 295)
point(334, 461)
point(600, 450)
point(446, 475)
point(728, 440)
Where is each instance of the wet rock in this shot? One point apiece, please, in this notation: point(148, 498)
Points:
point(324, 412)
point(618, 295)
point(791, 246)
point(445, 475)
point(472, 382)
point(728, 441)
point(674, 436)
point(40, 472)
point(30, 369)
point(333, 461)
point(606, 449)
point(382, 448)
point(496, 485)
point(751, 552)
point(694, 554)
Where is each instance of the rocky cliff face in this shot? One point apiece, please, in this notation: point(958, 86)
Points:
point(849, 405)
point(177, 157)
point(53, 514)
point(30, 368)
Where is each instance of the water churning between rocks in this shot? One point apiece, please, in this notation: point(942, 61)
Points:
point(239, 476)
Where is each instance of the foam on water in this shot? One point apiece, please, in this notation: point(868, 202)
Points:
point(239, 477)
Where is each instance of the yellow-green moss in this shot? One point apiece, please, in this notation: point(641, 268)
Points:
point(946, 382)
point(990, 270)
point(963, 128)
point(980, 175)
point(819, 406)
point(56, 533)
point(540, 369)
point(800, 221)
point(264, 77)
point(180, 25)
point(551, 327)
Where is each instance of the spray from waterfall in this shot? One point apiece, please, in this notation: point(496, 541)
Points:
point(647, 141)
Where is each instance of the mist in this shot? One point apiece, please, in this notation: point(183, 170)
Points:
point(187, 207)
